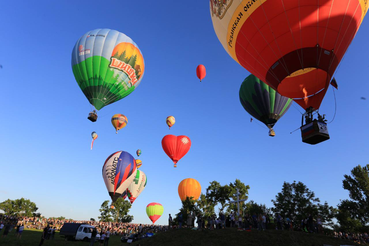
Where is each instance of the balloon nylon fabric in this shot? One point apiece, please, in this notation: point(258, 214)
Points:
point(293, 46)
point(154, 211)
point(107, 65)
point(262, 102)
point(189, 188)
point(137, 186)
point(118, 172)
point(176, 146)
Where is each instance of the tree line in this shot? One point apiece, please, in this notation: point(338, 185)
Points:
point(295, 201)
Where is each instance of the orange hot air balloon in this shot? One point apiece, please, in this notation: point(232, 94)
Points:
point(293, 46)
point(201, 72)
point(190, 188)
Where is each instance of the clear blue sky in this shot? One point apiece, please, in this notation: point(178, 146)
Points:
point(45, 138)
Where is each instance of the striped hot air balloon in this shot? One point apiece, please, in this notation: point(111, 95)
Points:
point(119, 121)
point(154, 210)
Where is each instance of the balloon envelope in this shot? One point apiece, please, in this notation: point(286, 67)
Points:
point(118, 172)
point(262, 102)
point(138, 152)
point(176, 147)
point(138, 163)
point(154, 210)
point(119, 121)
point(94, 137)
point(170, 121)
point(201, 72)
point(137, 186)
point(294, 47)
point(107, 66)
point(190, 188)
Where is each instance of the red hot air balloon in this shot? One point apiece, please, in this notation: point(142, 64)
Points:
point(176, 147)
point(201, 71)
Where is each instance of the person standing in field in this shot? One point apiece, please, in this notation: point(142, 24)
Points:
point(44, 235)
point(20, 230)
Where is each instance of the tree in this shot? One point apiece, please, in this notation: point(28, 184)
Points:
point(121, 210)
point(105, 212)
point(205, 206)
point(358, 187)
point(19, 207)
point(243, 194)
point(295, 201)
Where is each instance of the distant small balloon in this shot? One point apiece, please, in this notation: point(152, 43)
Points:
point(138, 152)
point(94, 136)
point(363, 98)
point(138, 163)
point(119, 121)
point(201, 72)
point(170, 121)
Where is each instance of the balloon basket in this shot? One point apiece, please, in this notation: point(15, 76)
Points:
point(92, 116)
point(314, 132)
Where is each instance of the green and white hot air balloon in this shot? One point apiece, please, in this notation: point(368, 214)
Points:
point(107, 66)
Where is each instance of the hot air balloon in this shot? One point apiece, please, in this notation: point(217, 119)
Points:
point(124, 195)
point(94, 137)
point(107, 66)
point(190, 188)
point(138, 152)
point(119, 121)
point(154, 210)
point(201, 72)
point(293, 46)
point(136, 186)
point(138, 163)
point(170, 121)
point(262, 102)
point(118, 172)
point(176, 147)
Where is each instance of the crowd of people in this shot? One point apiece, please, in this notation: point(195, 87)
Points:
point(248, 222)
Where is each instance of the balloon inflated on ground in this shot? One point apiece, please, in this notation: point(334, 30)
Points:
point(154, 210)
point(190, 188)
point(107, 66)
point(119, 121)
point(262, 102)
point(118, 172)
point(176, 147)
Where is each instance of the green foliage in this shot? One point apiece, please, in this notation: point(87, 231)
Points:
point(243, 194)
point(296, 201)
point(18, 207)
point(358, 186)
point(118, 214)
point(252, 208)
point(121, 209)
point(105, 212)
point(205, 206)
point(346, 217)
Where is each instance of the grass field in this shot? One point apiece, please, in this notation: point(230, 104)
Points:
point(187, 237)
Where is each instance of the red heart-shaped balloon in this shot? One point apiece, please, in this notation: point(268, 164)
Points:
point(176, 147)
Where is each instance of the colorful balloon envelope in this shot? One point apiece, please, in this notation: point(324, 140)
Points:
point(176, 147)
point(170, 121)
point(138, 163)
point(124, 195)
point(107, 66)
point(137, 186)
point(190, 188)
point(201, 72)
point(138, 152)
point(94, 137)
point(154, 210)
point(118, 172)
point(262, 102)
point(293, 46)
point(119, 121)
